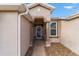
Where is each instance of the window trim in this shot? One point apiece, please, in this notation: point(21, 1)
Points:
point(51, 28)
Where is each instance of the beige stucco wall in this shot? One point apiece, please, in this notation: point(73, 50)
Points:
point(8, 33)
point(42, 13)
point(25, 35)
point(57, 39)
point(70, 34)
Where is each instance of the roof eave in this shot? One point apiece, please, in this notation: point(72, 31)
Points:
point(73, 16)
point(9, 8)
point(42, 4)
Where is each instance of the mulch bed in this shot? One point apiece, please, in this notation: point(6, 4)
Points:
point(58, 49)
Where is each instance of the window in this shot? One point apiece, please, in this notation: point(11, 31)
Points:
point(53, 29)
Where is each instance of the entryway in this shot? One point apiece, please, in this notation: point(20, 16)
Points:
point(39, 37)
point(39, 29)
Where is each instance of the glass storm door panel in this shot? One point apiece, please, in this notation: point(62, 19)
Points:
point(39, 32)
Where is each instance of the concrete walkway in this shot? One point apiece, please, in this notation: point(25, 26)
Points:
point(39, 48)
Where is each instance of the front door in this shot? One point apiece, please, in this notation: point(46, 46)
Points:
point(39, 32)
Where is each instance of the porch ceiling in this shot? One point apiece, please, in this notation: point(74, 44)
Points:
point(39, 21)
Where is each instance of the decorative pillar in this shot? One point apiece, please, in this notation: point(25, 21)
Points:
point(48, 43)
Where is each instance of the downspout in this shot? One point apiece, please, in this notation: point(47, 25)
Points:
point(18, 31)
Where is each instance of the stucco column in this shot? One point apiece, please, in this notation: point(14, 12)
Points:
point(48, 43)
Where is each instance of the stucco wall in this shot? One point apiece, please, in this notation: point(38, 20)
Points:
point(8, 33)
point(57, 39)
point(25, 35)
point(70, 34)
point(42, 13)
